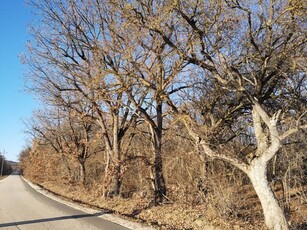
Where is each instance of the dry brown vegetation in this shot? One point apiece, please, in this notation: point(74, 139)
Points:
point(198, 197)
point(194, 106)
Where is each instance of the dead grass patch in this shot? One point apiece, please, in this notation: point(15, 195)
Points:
point(173, 216)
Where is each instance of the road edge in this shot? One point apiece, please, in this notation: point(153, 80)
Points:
point(109, 217)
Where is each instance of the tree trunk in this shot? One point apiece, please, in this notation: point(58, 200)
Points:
point(115, 182)
point(82, 173)
point(273, 214)
point(67, 165)
point(158, 180)
point(112, 178)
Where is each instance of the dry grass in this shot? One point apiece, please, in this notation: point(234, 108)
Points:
point(215, 195)
point(181, 216)
point(225, 205)
point(165, 216)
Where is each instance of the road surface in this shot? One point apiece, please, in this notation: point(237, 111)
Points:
point(22, 208)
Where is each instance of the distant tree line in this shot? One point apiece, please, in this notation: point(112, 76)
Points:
point(5, 167)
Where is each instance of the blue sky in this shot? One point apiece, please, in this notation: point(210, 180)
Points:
point(15, 104)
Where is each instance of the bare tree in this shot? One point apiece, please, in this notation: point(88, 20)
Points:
point(45, 129)
point(68, 135)
point(244, 60)
point(149, 74)
point(69, 65)
point(251, 50)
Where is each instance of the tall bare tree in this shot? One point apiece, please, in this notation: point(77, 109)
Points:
point(251, 50)
point(149, 74)
point(246, 60)
point(69, 65)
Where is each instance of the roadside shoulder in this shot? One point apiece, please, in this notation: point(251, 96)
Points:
point(109, 217)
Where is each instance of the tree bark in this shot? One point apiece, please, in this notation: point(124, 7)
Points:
point(113, 179)
point(82, 173)
point(273, 214)
point(115, 182)
point(67, 165)
point(158, 180)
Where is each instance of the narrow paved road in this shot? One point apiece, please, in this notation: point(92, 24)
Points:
point(21, 207)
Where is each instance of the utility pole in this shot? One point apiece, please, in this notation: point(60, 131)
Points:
point(2, 163)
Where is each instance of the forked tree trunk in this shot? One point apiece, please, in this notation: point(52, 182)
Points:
point(112, 178)
point(273, 214)
point(257, 171)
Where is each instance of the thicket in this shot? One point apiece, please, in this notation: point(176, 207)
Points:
point(220, 189)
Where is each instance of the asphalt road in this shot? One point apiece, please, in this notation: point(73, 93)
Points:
point(21, 207)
